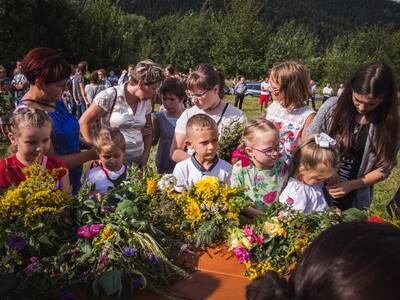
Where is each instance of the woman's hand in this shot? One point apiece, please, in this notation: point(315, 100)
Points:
point(341, 189)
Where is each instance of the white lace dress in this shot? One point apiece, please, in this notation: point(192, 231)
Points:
point(290, 125)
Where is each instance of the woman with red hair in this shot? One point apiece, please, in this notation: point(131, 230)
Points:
point(47, 73)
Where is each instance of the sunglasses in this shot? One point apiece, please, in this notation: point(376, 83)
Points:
point(195, 95)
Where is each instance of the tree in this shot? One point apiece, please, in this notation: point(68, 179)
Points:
point(370, 44)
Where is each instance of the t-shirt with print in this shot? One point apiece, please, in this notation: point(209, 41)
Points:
point(290, 124)
point(130, 124)
point(231, 114)
point(350, 163)
point(11, 170)
point(261, 186)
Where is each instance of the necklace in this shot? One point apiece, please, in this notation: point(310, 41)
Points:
point(53, 106)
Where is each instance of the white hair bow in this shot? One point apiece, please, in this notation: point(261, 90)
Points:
point(324, 141)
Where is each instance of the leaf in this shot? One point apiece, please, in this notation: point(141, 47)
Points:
point(354, 214)
point(109, 282)
point(44, 239)
point(128, 208)
point(90, 204)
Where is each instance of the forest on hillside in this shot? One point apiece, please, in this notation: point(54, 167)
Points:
point(241, 36)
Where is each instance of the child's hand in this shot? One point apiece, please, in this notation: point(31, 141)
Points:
point(340, 189)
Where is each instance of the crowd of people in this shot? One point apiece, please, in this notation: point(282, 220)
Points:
point(308, 160)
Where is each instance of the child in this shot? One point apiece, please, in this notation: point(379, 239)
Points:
point(288, 111)
point(110, 146)
point(206, 91)
point(202, 137)
point(30, 132)
point(315, 161)
point(172, 93)
point(263, 178)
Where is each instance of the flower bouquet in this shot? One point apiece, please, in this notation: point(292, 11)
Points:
point(209, 210)
point(277, 240)
point(34, 221)
point(116, 249)
point(230, 137)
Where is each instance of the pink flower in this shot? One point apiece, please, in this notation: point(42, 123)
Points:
point(241, 254)
point(281, 215)
point(258, 179)
point(90, 231)
point(270, 197)
point(290, 133)
point(247, 231)
point(289, 201)
point(238, 153)
point(257, 239)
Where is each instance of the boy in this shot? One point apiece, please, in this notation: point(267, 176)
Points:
point(202, 137)
point(172, 92)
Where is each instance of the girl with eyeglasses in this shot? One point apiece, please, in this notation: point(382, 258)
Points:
point(288, 111)
point(263, 178)
point(365, 122)
point(128, 108)
point(206, 90)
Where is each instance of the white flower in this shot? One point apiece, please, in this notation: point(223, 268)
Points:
point(167, 181)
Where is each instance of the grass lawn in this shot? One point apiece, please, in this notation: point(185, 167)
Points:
point(384, 191)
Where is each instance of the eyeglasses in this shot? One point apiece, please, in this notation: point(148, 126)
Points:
point(274, 90)
point(195, 95)
point(269, 152)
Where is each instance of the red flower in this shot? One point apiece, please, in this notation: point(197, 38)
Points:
point(270, 197)
point(289, 201)
point(278, 125)
point(375, 219)
point(290, 133)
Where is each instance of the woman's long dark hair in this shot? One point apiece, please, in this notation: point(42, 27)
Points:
point(375, 79)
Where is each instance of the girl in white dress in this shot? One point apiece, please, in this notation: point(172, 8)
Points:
point(110, 146)
point(288, 111)
point(315, 161)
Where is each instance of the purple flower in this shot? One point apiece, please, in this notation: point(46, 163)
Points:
point(270, 197)
point(104, 260)
point(247, 231)
point(90, 231)
point(137, 281)
point(33, 265)
point(241, 254)
point(16, 242)
point(106, 208)
point(129, 252)
point(153, 260)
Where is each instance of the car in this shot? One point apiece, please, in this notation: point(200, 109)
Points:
point(253, 89)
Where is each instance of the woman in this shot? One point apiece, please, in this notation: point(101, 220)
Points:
point(94, 87)
point(206, 90)
point(128, 107)
point(47, 73)
point(364, 120)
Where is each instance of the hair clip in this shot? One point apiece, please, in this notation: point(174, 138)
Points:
point(324, 141)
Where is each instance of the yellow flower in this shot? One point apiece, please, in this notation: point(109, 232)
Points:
point(192, 210)
point(274, 228)
point(246, 243)
point(233, 215)
point(207, 188)
point(151, 186)
point(107, 234)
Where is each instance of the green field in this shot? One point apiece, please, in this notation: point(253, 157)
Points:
point(384, 191)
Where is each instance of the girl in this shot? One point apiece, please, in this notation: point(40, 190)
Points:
point(365, 122)
point(110, 145)
point(205, 89)
point(288, 111)
point(263, 178)
point(30, 141)
point(172, 92)
point(314, 161)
